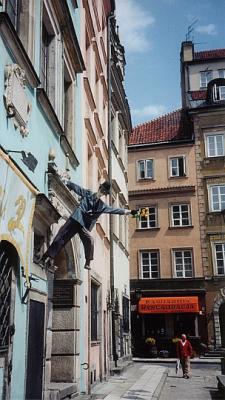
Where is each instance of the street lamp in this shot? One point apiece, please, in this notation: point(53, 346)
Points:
point(28, 158)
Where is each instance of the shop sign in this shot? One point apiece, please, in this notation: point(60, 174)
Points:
point(166, 305)
point(17, 201)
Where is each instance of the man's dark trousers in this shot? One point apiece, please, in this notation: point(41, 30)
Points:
point(65, 233)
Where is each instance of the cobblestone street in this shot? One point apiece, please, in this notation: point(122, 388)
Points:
point(201, 385)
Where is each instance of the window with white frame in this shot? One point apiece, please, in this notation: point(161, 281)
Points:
point(13, 9)
point(205, 78)
point(221, 73)
point(214, 145)
point(145, 169)
point(218, 92)
point(183, 263)
point(217, 197)
point(48, 56)
point(68, 103)
point(180, 215)
point(22, 16)
point(149, 220)
point(219, 249)
point(149, 264)
point(177, 166)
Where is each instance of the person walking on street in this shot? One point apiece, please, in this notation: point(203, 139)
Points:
point(184, 352)
point(82, 220)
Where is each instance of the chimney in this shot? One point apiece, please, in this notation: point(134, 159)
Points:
point(187, 51)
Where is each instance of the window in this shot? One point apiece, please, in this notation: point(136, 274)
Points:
point(180, 215)
point(218, 93)
point(221, 73)
point(220, 258)
point(145, 169)
point(149, 220)
point(150, 264)
point(13, 8)
point(126, 313)
point(94, 312)
point(177, 166)
point(47, 65)
point(205, 78)
point(215, 145)
point(22, 16)
point(217, 197)
point(68, 105)
point(183, 267)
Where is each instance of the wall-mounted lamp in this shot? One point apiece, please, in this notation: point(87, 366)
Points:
point(28, 159)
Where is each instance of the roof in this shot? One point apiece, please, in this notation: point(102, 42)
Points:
point(209, 54)
point(168, 128)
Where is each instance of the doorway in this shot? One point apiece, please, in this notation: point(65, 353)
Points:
point(35, 350)
point(9, 262)
point(222, 323)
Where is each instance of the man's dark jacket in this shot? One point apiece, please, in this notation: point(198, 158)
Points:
point(90, 207)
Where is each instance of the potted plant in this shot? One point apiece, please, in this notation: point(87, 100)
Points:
point(151, 342)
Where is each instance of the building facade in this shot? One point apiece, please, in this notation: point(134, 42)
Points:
point(203, 88)
point(167, 283)
point(56, 323)
point(106, 287)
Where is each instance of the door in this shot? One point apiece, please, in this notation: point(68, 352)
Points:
point(222, 323)
point(35, 350)
point(9, 262)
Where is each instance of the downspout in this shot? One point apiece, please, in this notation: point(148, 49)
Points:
point(112, 289)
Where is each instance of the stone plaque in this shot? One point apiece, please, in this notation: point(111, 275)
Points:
point(63, 293)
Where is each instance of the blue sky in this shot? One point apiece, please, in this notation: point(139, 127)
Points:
point(151, 32)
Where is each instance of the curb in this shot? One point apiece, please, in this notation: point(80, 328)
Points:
point(160, 386)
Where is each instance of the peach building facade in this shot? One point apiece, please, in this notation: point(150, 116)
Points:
point(165, 257)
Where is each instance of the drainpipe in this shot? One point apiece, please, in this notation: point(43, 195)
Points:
point(112, 289)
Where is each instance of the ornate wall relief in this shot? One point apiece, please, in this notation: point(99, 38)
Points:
point(15, 99)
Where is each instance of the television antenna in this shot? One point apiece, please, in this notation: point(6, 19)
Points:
point(190, 29)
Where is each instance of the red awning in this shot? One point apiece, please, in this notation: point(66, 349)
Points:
point(165, 305)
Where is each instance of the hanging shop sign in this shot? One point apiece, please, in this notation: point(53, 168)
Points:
point(166, 305)
point(17, 202)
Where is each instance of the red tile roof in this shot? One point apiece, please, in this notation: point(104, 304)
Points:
point(169, 127)
point(198, 94)
point(209, 54)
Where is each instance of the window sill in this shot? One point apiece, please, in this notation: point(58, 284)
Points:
point(146, 179)
point(216, 159)
point(95, 343)
point(178, 177)
point(181, 227)
point(157, 228)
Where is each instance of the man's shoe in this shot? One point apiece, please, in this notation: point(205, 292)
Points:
point(87, 266)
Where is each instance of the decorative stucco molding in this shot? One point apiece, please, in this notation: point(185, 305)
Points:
point(15, 99)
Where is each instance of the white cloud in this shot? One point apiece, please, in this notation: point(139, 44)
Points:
point(209, 29)
point(149, 111)
point(133, 21)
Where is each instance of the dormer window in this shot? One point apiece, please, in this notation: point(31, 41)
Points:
point(218, 92)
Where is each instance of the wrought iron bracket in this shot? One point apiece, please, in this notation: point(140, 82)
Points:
point(27, 285)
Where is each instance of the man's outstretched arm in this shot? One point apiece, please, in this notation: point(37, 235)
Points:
point(77, 189)
point(113, 210)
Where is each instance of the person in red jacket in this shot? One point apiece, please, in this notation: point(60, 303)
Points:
point(184, 352)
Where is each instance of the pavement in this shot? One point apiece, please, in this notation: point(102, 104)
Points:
point(202, 384)
point(155, 379)
point(139, 382)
